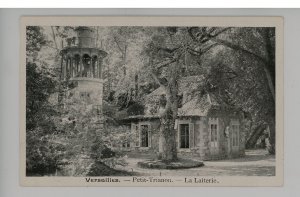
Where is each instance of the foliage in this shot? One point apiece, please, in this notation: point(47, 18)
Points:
point(42, 157)
point(35, 39)
point(135, 109)
point(117, 135)
point(242, 74)
point(123, 68)
point(101, 169)
point(86, 143)
point(39, 87)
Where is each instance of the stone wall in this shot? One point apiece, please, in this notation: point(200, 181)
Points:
point(225, 142)
point(88, 90)
point(200, 146)
point(144, 152)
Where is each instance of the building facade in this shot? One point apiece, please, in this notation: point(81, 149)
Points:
point(81, 70)
point(204, 129)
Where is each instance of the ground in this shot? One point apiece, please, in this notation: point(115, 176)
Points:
point(255, 163)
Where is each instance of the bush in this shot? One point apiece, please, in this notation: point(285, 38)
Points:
point(42, 156)
point(101, 169)
point(107, 153)
point(135, 109)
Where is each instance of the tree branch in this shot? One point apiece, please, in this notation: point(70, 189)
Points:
point(201, 52)
point(164, 63)
point(119, 47)
point(263, 60)
point(218, 33)
point(207, 36)
point(154, 74)
point(238, 48)
point(51, 47)
point(54, 38)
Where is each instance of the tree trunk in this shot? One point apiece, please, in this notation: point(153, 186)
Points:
point(254, 136)
point(272, 140)
point(269, 70)
point(168, 145)
point(269, 67)
point(270, 83)
point(136, 85)
point(54, 37)
point(270, 73)
point(168, 150)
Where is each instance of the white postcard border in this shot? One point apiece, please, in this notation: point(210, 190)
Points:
point(277, 22)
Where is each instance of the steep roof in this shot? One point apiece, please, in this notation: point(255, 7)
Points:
point(195, 107)
point(192, 103)
point(189, 83)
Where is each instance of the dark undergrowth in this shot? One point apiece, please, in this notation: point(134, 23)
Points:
point(100, 169)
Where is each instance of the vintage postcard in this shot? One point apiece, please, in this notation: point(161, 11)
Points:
point(151, 101)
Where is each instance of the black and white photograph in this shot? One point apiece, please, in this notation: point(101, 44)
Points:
point(152, 104)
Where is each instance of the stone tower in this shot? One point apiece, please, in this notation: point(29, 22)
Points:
point(81, 69)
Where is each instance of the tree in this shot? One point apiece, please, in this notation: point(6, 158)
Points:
point(170, 53)
point(41, 156)
point(122, 70)
point(35, 40)
point(248, 67)
point(39, 87)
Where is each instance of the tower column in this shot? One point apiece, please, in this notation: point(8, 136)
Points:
point(93, 68)
point(74, 66)
point(71, 67)
point(68, 67)
point(77, 66)
point(80, 65)
point(65, 68)
point(96, 69)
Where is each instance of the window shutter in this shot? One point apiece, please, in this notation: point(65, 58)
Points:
point(149, 135)
point(209, 132)
point(178, 136)
point(132, 142)
point(238, 135)
point(176, 124)
point(132, 128)
point(191, 131)
point(137, 133)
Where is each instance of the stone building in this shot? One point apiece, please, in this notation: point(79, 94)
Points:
point(81, 69)
point(205, 129)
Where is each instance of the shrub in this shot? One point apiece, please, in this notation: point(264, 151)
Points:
point(43, 157)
